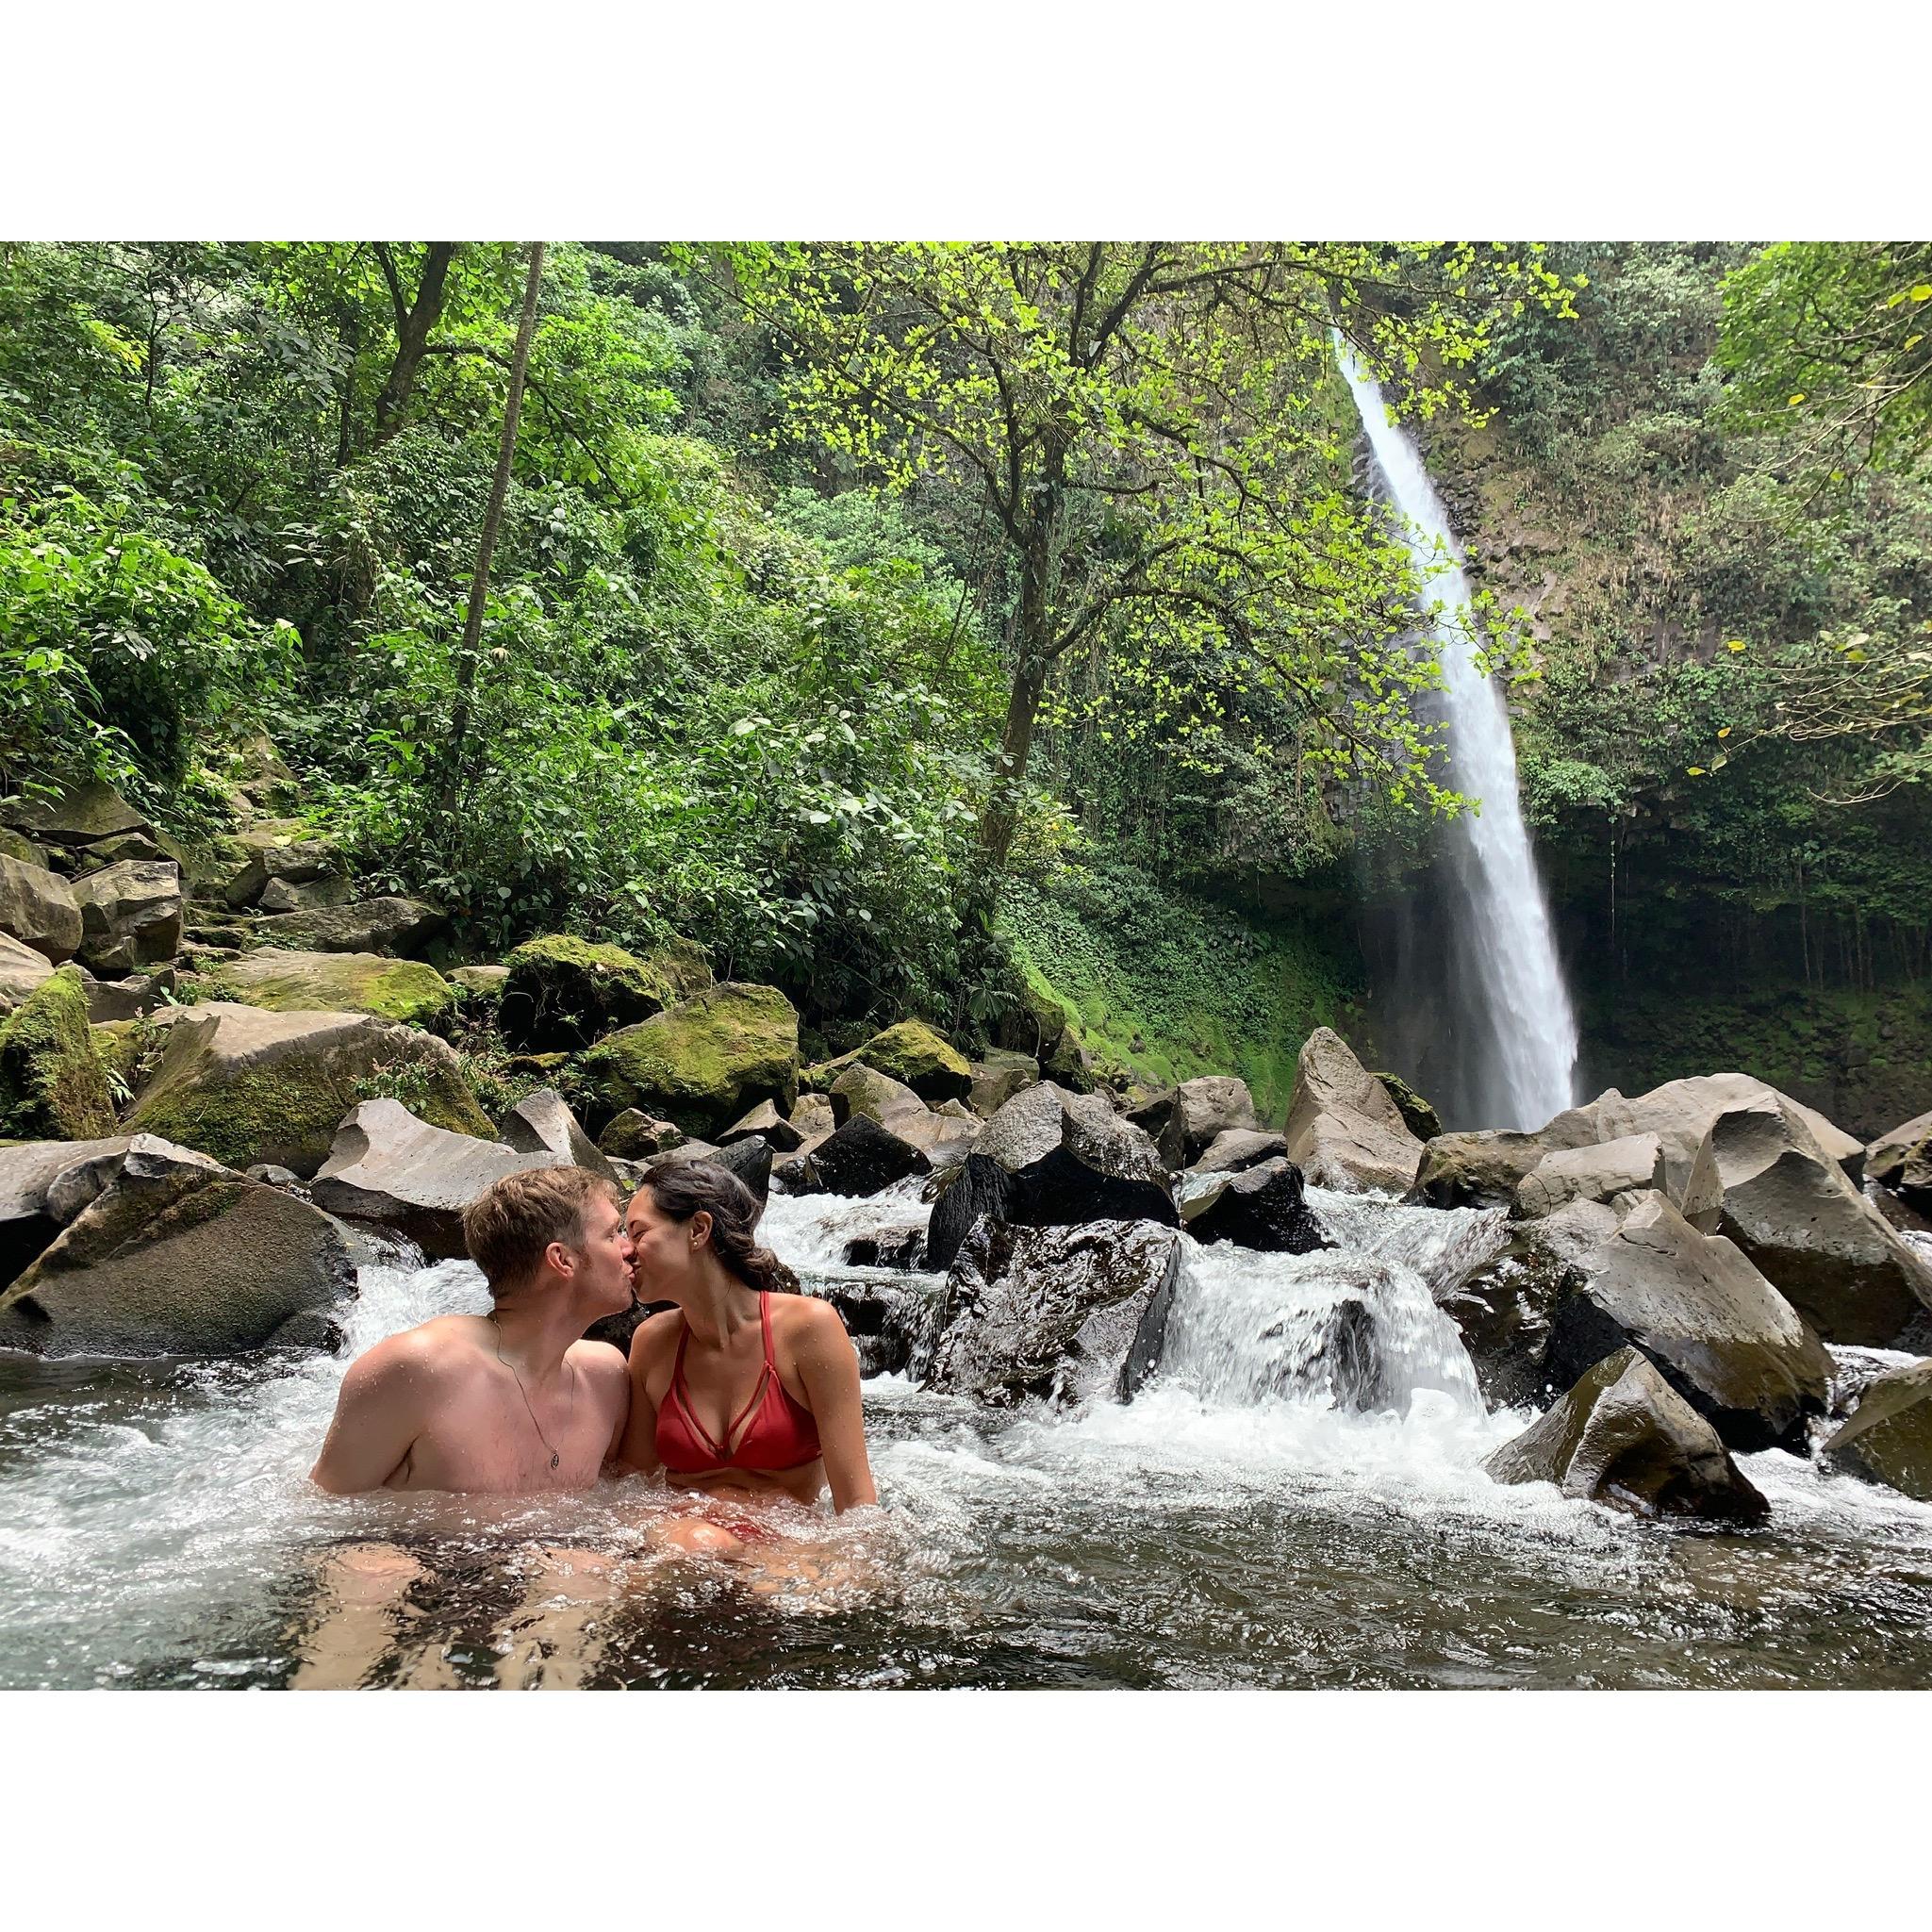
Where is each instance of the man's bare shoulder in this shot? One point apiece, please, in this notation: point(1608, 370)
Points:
point(435, 1350)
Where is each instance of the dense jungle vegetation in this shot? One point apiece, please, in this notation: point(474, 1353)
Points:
point(908, 623)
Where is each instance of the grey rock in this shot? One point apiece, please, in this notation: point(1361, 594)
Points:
point(272, 1176)
point(388, 925)
point(635, 1136)
point(282, 896)
point(1596, 1174)
point(480, 981)
point(1185, 1121)
point(40, 910)
point(298, 863)
point(998, 1077)
point(1238, 1147)
point(1721, 1334)
point(1888, 1437)
point(80, 817)
point(388, 1165)
point(22, 971)
point(766, 1120)
point(888, 1324)
point(170, 1259)
point(861, 1157)
point(141, 1161)
point(1793, 1210)
point(543, 1123)
point(109, 1000)
point(130, 916)
point(1624, 1437)
point(29, 1170)
point(1069, 1314)
point(1344, 1130)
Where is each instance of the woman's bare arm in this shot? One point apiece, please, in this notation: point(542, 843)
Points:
point(829, 1366)
point(638, 1446)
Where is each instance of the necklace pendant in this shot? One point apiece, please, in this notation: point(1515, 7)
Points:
point(554, 1457)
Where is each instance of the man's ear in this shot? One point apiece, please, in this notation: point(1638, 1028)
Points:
point(562, 1257)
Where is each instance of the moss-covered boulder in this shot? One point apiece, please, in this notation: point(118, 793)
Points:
point(52, 1085)
point(399, 989)
point(248, 1085)
point(702, 1062)
point(911, 1053)
point(483, 985)
point(1421, 1120)
point(564, 993)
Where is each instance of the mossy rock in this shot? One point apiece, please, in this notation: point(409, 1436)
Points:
point(52, 1085)
point(702, 1063)
point(911, 1053)
point(1421, 1120)
point(564, 992)
point(248, 1085)
point(280, 982)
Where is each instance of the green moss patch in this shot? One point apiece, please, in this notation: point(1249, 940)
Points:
point(52, 1082)
point(702, 1063)
point(398, 989)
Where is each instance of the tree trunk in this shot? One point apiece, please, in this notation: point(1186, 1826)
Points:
point(492, 519)
point(415, 323)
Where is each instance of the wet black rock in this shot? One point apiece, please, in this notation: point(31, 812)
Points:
point(860, 1158)
point(1050, 1158)
point(1624, 1437)
point(1261, 1207)
point(1067, 1315)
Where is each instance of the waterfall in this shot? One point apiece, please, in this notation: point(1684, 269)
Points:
point(1500, 1041)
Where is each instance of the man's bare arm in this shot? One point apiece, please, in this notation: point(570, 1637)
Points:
point(379, 1414)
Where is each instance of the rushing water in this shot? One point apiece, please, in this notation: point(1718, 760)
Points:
point(1297, 1501)
point(1507, 1057)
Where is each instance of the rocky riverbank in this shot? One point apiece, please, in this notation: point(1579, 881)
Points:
point(228, 1078)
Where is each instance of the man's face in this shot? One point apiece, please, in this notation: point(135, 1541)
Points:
point(604, 1265)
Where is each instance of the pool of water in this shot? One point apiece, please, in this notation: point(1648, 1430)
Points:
point(1254, 1519)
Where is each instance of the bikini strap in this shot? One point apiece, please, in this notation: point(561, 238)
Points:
point(765, 1322)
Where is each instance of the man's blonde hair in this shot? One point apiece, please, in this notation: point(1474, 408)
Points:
point(510, 1224)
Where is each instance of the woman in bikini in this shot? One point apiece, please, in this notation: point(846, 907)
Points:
point(747, 1390)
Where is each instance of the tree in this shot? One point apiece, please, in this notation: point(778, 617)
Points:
point(1837, 335)
point(1155, 433)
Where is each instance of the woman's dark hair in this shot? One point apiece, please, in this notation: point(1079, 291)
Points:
point(701, 1187)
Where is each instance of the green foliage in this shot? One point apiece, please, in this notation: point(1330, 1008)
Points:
point(1169, 987)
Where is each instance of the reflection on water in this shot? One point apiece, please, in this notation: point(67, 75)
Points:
point(1240, 1524)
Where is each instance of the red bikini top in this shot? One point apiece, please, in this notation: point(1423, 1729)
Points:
point(782, 1433)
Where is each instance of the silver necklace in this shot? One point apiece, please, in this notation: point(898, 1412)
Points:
point(555, 1457)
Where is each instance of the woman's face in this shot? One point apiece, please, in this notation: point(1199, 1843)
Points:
point(665, 1252)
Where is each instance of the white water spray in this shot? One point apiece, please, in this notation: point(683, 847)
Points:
point(1525, 1059)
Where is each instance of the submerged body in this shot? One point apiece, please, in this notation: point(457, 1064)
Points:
point(741, 1391)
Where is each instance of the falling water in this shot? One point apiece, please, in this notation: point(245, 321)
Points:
point(1511, 1042)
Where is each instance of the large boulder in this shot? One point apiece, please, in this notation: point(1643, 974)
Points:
point(53, 1084)
point(1068, 1315)
point(888, 1323)
point(1681, 1111)
point(1484, 1168)
point(388, 1165)
point(1343, 1132)
point(130, 915)
point(388, 924)
point(943, 1137)
point(1718, 1331)
point(1259, 1207)
point(173, 1255)
point(1794, 1211)
point(28, 1171)
point(909, 1053)
point(567, 993)
point(542, 1123)
point(22, 971)
point(1888, 1437)
point(635, 1136)
point(998, 1077)
point(765, 1121)
point(1624, 1437)
point(1050, 1158)
point(247, 1085)
point(38, 908)
point(701, 1062)
point(82, 817)
point(400, 989)
point(1185, 1121)
point(1592, 1174)
point(272, 858)
point(1902, 1160)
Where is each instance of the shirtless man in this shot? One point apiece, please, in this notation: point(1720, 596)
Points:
point(514, 1401)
